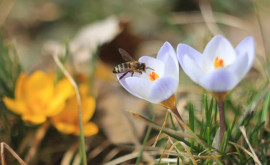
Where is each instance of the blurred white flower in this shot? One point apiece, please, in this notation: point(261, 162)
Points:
point(155, 85)
point(87, 40)
point(221, 67)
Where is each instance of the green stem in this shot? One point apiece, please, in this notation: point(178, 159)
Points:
point(83, 152)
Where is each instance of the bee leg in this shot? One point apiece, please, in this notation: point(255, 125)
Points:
point(132, 72)
point(149, 68)
point(124, 75)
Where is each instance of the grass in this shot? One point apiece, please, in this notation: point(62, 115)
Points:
point(200, 143)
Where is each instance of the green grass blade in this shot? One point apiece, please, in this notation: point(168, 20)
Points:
point(264, 115)
point(171, 119)
point(191, 122)
point(208, 136)
point(207, 113)
point(178, 161)
point(244, 123)
point(144, 142)
point(253, 138)
point(223, 144)
point(210, 111)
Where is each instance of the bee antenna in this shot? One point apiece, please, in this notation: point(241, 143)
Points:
point(149, 68)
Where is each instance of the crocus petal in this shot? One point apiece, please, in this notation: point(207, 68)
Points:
point(88, 107)
point(63, 90)
point(65, 128)
point(167, 50)
point(89, 129)
point(191, 68)
point(240, 66)
point(219, 80)
point(124, 84)
point(221, 47)
point(138, 86)
point(153, 63)
point(168, 56)
point(19, 86)
point(16, 106)
point(84, 89)
point(162, 89)
point(246, 46)
point(171, 70)
point(39, 86)
point(34, 119)
point(183, 49)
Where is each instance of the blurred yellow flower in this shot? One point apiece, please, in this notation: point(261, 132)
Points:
point(39, 96)
point(68, 122)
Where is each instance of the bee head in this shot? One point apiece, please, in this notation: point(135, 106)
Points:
point(142, 67)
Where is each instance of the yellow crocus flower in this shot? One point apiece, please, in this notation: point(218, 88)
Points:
point(39, 96)
point(67, 121)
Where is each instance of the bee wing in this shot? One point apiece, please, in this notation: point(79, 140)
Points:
point(125, 55)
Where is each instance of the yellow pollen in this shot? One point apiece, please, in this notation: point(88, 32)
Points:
point(153, 76)
point(218, 63)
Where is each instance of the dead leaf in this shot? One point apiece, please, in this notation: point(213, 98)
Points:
point(126, 40)
point(117, 123)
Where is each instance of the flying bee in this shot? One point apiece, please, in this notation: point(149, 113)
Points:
point(131, 65)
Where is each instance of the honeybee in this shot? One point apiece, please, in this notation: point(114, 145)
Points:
point(131, 65)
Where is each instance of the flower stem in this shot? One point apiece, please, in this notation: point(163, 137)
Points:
point(222, 120)
point(38, 138)
point(170, 103)
point(175, 111)
point(220, 97)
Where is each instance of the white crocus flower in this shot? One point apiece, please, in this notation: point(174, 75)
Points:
point(158, 83)
point(220, 67)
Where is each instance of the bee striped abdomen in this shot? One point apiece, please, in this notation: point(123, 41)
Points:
point(122, 67)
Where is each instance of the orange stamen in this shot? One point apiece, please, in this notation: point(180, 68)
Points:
point(218, 63)
point(153, 76)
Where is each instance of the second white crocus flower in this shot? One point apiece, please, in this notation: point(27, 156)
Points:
point(220, 67)
point(155, 85)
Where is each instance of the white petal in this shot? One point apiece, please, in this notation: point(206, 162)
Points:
point(246, 46)
point(138, 86)
point(168, 56)
point(170, 69)
point(221, 47)
point(240, 66)
point(153, 63)
point(191, 68)
point(167, 50)
point(183, 49)
point(219, 80)
point(126, 86)
point(162, 89)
